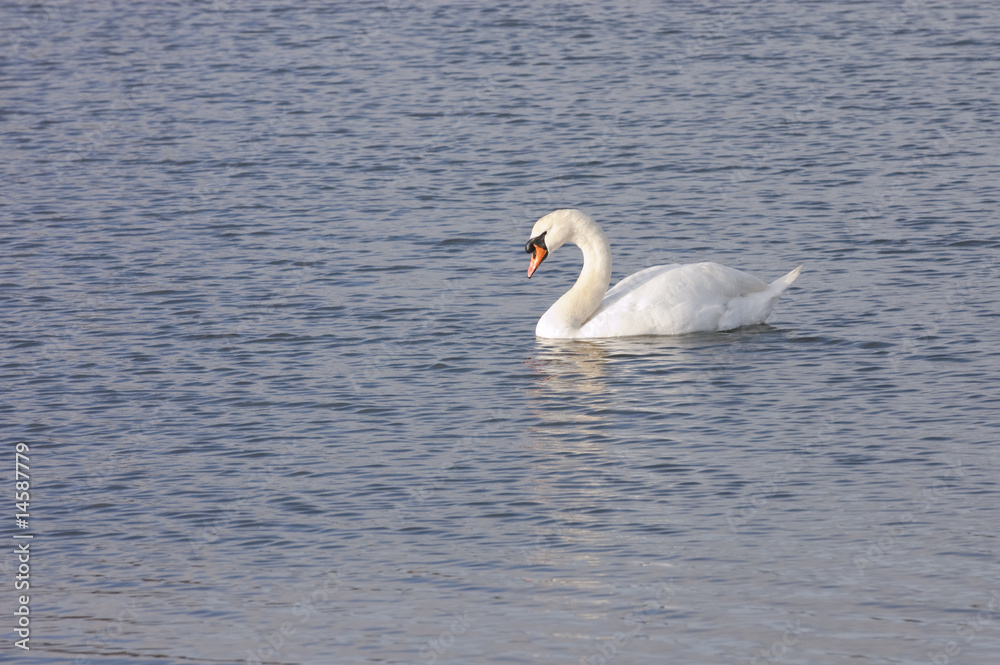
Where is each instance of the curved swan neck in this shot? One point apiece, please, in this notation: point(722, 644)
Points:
point(577, 305)
point(595, 277)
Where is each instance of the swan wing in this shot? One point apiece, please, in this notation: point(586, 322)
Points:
point(676, 299)
point(634, 283)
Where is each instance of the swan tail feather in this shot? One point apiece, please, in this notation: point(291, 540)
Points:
point(783, 282)
point(754, 308)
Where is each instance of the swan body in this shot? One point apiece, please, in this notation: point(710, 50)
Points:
point(662, 300)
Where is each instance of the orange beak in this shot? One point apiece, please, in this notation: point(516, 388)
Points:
point(536, 259)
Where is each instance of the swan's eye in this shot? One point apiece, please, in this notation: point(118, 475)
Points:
point(537, 241)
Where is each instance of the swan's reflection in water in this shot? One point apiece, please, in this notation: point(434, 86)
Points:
point(583, 380)
point(586, 392)
point(610, 396)
point(619, 432)
point(570, 366)
point(588, 434)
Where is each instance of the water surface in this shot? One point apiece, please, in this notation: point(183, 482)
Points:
point(267, 332)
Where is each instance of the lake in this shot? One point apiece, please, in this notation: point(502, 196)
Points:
point(269, 343)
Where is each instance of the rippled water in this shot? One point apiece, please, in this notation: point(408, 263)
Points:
point(267, 332)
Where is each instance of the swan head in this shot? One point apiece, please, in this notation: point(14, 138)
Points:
point(553, 231)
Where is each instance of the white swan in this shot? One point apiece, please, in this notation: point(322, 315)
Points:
point(662, 300)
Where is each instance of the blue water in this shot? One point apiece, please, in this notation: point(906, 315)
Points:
point(267, 333)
